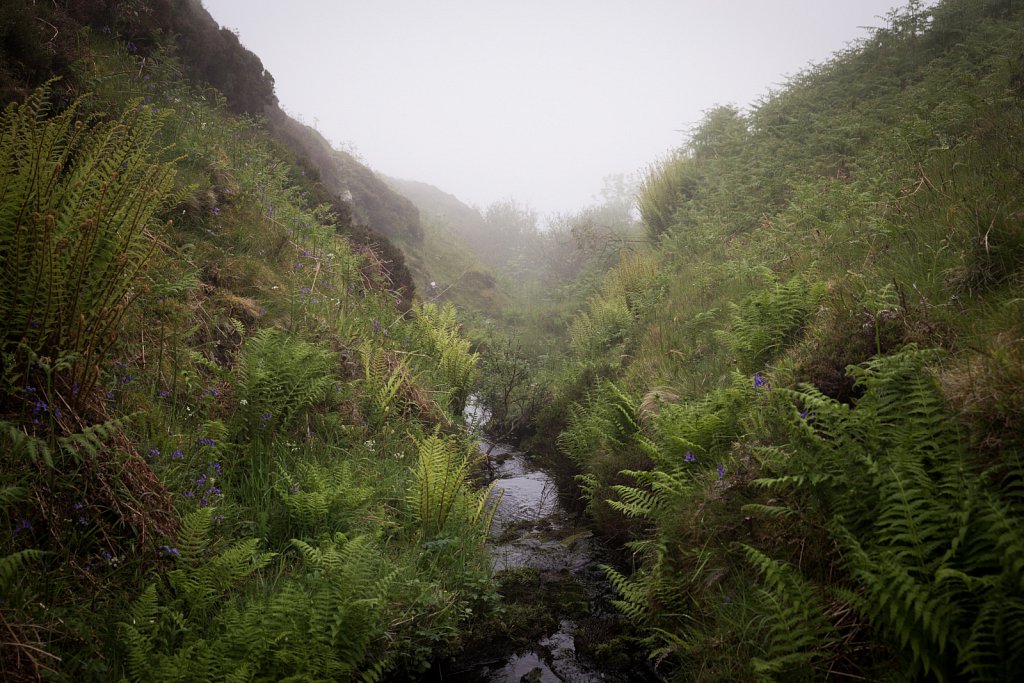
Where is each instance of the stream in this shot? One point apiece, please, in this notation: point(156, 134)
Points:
point(534, 537)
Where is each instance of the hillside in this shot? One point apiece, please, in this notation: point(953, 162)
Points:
point(801, 409)
point(232, 445)
point(789, 403)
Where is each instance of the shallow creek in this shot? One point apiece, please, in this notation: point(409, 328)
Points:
point(532, 531)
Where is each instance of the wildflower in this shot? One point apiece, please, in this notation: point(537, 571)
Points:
point(305, 290)
point(205, 441)
point(132, 47)
point(295, 489)
point(216, 210)
point(177, 455)
point(218, 519)
point(40, 407)
point(216, 468)
point(106, 556)
point(153, 452)
point(82, 521)
point(169, 551)
point(211, 392)
point(22, 525)
point(79, 505)
point(758, 381)
point(689, 457)
point(376, 326)
point(721, 471)
point(30, 389)
point(164, 393)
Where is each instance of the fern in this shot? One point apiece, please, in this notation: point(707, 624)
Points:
point(799, 633)
point(281, 377)
point(765, 321)
point(383, 381)
point(324, 497)
point(939, 559)
point(78, 198)
point(456, 367)
point(439, 492)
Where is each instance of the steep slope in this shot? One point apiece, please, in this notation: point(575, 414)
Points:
point(231, 449)
point(801, 411)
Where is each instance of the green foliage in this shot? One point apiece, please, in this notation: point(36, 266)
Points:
point(766, 321)
point(323, 497)
point(667, 186)
point(439, 493)
point(799, 632)
point(280, 378)
point(383, 379)
point(937, 555)
point(437, 328)
point(79, 199)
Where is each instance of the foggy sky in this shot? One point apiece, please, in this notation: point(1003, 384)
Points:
point(532, 99)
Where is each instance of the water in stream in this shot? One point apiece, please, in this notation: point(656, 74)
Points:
point(532, 530)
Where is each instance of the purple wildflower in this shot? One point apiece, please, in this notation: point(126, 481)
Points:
point(758, 381)
point(721, 471)
point(169, 551)
point(132, 47)
point(177, 455)
point(689, 457)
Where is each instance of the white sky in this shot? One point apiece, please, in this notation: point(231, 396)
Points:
point(532, 99)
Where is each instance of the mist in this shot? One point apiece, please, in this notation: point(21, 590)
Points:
point(531, 100)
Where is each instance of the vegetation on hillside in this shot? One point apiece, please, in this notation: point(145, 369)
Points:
point(231, 448)
point(801, 411)
point(791, 395)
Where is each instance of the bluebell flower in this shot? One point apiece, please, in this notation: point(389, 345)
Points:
point(177, 455)
point(758, 381)
point(132, 47)
point(721, 471)
point(169, 551)
point(689, 457)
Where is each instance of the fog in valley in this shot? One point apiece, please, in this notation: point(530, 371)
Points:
point(532, 99)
